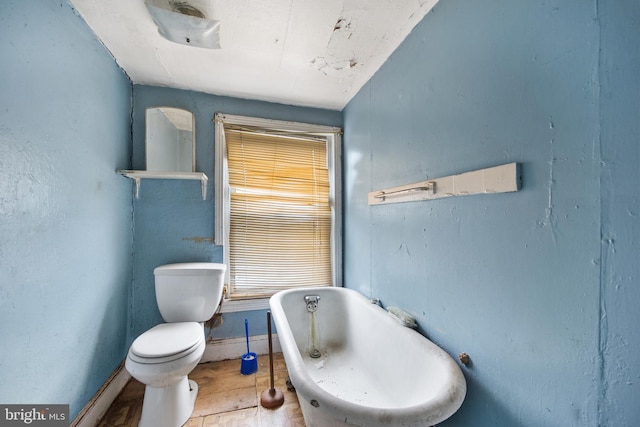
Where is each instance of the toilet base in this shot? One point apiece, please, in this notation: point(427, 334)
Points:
point(169, 406)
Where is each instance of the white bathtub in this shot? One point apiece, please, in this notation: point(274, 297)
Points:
point(372, 370)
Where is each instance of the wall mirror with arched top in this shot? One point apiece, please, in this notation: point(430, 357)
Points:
point(170, 142)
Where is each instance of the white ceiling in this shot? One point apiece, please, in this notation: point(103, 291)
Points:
point(315, 53)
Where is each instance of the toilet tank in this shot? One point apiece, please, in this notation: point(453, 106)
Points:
point(189, 292)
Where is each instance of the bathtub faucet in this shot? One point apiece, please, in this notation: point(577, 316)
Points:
point(312, 302)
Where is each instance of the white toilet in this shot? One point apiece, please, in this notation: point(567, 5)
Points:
point(188, 294)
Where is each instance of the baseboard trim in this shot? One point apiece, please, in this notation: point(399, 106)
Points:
point(234, 348)
point(95, 409)
point(215, 351)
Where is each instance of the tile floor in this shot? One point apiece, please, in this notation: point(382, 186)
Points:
point(225, 398)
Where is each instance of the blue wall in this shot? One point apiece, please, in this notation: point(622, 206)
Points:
point(539, 287)
point(171, 221)
point(65, 216)
point(77, 254)
point(619, 69)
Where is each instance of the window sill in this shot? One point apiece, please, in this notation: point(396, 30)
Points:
point(234, 306)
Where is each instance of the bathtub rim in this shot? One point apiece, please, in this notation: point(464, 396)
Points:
point(430, 411)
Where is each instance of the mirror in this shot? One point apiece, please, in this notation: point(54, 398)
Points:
point(170, 140)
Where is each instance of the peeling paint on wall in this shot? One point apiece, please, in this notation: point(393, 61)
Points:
point(200, 239)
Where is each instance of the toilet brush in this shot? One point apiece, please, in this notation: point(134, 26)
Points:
point(249, 363)
point(271, 398)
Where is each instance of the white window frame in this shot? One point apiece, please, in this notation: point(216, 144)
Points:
point(222, 196)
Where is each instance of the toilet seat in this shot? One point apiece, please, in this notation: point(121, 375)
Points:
point(167, 342)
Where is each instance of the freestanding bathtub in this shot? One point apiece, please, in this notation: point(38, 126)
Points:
point(370, 370)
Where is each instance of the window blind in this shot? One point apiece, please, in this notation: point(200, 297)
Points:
point(280, 214)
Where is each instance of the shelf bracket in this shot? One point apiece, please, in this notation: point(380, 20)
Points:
point(137, 182)
point(203, 185)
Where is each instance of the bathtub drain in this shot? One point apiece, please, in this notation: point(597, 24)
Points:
point(315, 353)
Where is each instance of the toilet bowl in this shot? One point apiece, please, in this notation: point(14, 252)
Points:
point(162, 357)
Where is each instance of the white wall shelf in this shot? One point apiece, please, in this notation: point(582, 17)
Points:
point(137, 176)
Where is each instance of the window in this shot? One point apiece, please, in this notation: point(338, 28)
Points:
point(277, 214)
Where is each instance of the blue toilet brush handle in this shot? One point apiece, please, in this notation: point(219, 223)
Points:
point(246, 333)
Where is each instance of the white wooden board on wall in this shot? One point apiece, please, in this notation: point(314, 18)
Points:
point(498, 179)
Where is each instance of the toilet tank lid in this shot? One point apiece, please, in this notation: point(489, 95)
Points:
point(186, 268)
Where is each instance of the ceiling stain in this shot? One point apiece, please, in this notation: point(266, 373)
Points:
point(266, 46)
